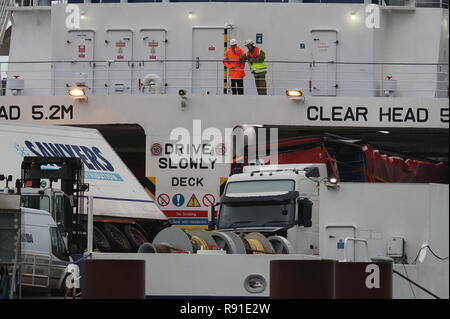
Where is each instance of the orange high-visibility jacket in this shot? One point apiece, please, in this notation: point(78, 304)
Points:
point(231, 61)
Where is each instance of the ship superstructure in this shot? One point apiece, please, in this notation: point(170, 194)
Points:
point(151, 73)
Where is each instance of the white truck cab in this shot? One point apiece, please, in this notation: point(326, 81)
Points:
point(281, 200)
point(45, 256)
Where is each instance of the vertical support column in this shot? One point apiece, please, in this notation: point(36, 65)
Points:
point(225, 72)
point(90, 225)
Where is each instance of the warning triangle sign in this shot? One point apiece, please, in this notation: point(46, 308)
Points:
point(193, 202)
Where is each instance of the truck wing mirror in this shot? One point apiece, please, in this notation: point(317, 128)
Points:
point(312, 172)
point(211, 218)
point(304, 212)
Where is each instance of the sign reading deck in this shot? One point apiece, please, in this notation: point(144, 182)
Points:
point(190, 180)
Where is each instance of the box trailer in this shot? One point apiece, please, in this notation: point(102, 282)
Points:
point(125, 215)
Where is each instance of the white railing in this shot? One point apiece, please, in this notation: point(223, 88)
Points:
point(207, 77)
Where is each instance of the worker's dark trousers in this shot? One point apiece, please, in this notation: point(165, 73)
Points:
point(260, 81)
point(237, 86)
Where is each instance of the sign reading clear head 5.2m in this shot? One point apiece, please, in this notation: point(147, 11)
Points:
point(116, 190)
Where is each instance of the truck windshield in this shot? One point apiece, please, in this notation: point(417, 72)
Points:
point(41, 202)
point(58, 246)
point(257, 214)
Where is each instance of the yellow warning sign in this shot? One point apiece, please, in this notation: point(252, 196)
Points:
point(193, 202)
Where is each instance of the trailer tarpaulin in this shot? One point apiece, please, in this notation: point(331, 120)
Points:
point(382, 167)
point(352, 156)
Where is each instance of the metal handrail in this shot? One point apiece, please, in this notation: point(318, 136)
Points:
point(101, 76)
point(354, 240)
point(220, 61)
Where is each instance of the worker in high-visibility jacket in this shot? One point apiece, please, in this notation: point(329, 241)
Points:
point(256, 58)
point(234, 62)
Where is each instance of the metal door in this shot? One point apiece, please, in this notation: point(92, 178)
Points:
point(119, 50)
point(80, 50)
point(207, 55)
point(151, 56)
point(323, 65)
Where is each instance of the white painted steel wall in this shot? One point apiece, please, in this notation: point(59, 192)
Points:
point(181, 275)
point(409, 36)
point(416, 212)
point(158, 115)
point(32, 43)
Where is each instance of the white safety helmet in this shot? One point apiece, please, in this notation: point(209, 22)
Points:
point(233, 42)
point(247, 42)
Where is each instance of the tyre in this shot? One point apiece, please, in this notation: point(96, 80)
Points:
point(135, 236)
point(117, 238)
point(100, 241)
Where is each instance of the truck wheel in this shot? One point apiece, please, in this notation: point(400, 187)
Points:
point(117, 238)
point(100, 240)
point(135, 236)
